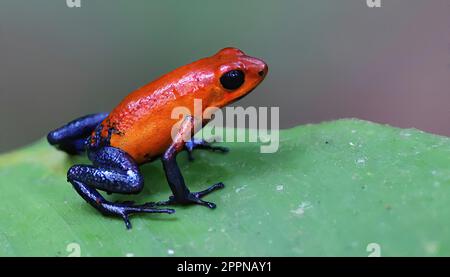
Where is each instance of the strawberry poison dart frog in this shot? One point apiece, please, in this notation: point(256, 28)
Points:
point(139, 130)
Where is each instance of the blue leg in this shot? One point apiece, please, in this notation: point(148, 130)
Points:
point(181, 193)
point(71, 137)
point(113, 170)
point(202, 144)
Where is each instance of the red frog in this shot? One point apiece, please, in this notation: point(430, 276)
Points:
point(139, 130)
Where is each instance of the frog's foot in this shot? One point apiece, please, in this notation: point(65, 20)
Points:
point(193, 198)
point(124, 210)
point(119, 209)
point(202, 144)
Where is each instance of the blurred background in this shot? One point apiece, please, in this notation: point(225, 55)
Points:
point(328, 59)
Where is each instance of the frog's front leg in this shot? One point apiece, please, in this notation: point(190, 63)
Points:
point(194, 143)
point(181, 193)
point(113, 170)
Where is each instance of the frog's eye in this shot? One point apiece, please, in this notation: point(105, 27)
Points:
point(232, 79)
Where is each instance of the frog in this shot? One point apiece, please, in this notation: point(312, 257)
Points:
point(140, 130)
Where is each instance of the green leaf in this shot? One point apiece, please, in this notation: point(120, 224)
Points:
point(331, 189)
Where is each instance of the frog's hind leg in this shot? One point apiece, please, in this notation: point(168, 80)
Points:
point(71, 137)
point(194, 143)
point(113, 170)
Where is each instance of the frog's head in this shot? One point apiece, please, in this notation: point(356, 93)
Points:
point(236, 75)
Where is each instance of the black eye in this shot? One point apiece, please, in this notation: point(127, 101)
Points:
point(232, 79)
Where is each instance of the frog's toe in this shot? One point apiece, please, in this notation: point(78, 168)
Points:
point(193, 198)
point(126, 210)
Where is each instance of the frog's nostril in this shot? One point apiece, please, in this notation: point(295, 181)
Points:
point(263, 70)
